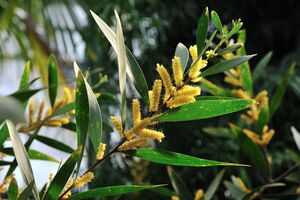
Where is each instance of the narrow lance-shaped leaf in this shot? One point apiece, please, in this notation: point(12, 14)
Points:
point(179, 185)
point(27, 192)
point(183, 53)
point(261, 66)
point(60, 179)
point(37, 155)
point(225, 65)
point(25, 76)
point(202, 31)
point(296, 136)
point(279, 93)
point(22, 157)
point(122, 66)
point(214, 185)
point(3, 134)
point(203, 109)
point(133, 69)
point(24, 94)
point(244, 67)
point(13, 190)
point(217, 22)
point(175, 159)
point(230, 48)
point(112, 191)
point(52, 78)
point(54, 144)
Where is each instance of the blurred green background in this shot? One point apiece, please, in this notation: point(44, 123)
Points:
point(31, 30)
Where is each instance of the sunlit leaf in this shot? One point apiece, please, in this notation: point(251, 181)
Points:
point(261, 66)
point(214, 185)
point(37, 155)
point(202, 31)
point(55, 144)
point(25, 76)
point(52, 78)
point(179, 185)
point(22, 157)
point(183, 53)
point(3, 134)
point(122, 66)
point(225, 65)
point(280, 91)
point(62, 176)
point(13, 190)
point(112, 191)
point(296, 136)
point(12, 109)
point(217, 22)
point(175, 159)
point(203, 109)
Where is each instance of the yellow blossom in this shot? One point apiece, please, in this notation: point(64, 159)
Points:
point(30, 113)
point(53, 123)
point(233, 81)
point(177, 71)
point(58, 105)
point(156, 135)
point(136, 111)
point(67, 93)
point(5, 183)
point(137, 142)
point(156, 92)
point(193, 52)
point(68, 185)
point(63, 120)
point(101, 150)
point(195, 70)
point(117, 124)
point(150, 96)
point(241, 94)
point(210, 53)
point(165, 77)
point(188, 90)
point(266, 135)
point(298, 190)
point(41, 109)
point(199, 194)
point(84, 179)
point(241, 184)
point(175, 198)
point(180, 100)
point(137, 128)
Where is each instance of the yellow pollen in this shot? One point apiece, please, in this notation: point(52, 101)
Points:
point(233, 81)
point(188, 90)
point(199, 194)
point(132, 144)
point(180, 100)
point(193, 52)
point(41, 109)
point(136, 111)
point(165, 77)
point(101, 150)
point(155, 135)
point(84, 179)
point(117, 124)
point(157, 86)
point(177, 71)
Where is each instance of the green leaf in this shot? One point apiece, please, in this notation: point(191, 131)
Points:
point(296, 136)
point(122, 66)
point(219, 132)
point(253, 152)
point(133, 70)
point(261, 66)
point(214, 89)
point(22, 157)
point(214, 185)
point(55, 144)
point(179, 185)
point(24, 94)
point(230, 48)
point(202, 31)
point(27, 192)
point(225, 65)
point(3, 163)
point(13, 190)
point(176, 159)
point(3, 134)
point(203, 109)
point(244, 67)
point(11, 108)
point(183, 53)
point(37, 155)
point(217, 22)
point(25, 76)
point(279, 93)
point(235, 29)
point(52, 78)
point(89, 108)
point(112, 191)
point(136, 75)
point(62, 176)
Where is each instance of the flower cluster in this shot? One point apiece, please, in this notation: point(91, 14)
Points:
point(264, 138)
point(43, 117)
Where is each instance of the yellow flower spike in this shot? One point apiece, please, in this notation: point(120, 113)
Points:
point(138, 128)
point(165, 77)
point(266, 138)
point(199, 194)
point(210, 53)
point(241, 93)
point(41, 109)
point(233, 81)
point(248, 119)
point(188, 90)
point(175, 198)
point(241, 184)
point(136, 111)
point(157, 86)
point(137, 142)
point(177, 71)
point(117, 124)
point(195, 70)
point(63, 120)
point(253, 136)
point(84, 179)
point(67, 93)
point(265, 129)
point(150, 95)
point(193, 52)
point(180, 100)
point(31, 113)
point(48, 112)
point(53, 123)
point(196, 80)
point(228, 56)
point(260, 96)
point(58, 105)
point(5, 183)
point(68, 185)
point(298, 190)
point(101, 150)
point(155, 135)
